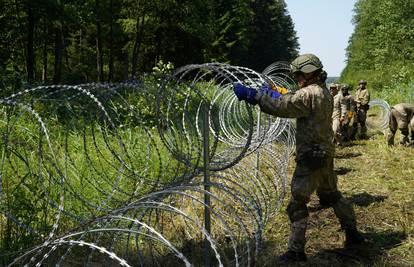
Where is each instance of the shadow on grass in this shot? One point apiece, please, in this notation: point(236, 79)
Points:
point(362, 200)
point(343, 170)
point(348, 155)
point(354, 143)
point(365, 199)
point(364, 255)
point(367, 254)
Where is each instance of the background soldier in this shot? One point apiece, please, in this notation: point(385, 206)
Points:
point(338, 115)
point(312, 105)
point(362, 98)
point(402, 118)
point(350, 110)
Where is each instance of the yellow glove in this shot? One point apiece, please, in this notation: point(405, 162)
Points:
point(279, 89)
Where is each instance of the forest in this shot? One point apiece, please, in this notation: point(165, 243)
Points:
point(381, 49)
point(55, 41)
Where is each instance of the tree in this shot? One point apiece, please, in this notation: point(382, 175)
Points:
point(381, 47)
point(77, 41)
point(272, 35)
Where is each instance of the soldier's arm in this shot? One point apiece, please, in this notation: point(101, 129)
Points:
point(390, 137)
point(392, 130)
point(344, 107)
point(295, 105)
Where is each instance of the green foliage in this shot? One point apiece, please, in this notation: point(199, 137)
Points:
point(396, 93)
point(133, 35)
point(381, 48)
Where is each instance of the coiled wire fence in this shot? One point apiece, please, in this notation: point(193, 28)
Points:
point(156, 172)
point(378, 115)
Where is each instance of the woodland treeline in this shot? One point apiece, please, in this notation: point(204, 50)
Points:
point(73, 41)
point(381, 49)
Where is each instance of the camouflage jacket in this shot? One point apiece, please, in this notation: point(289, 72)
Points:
point(339, 106)
point(312, 107)
point(405, 111)
point(362, 97)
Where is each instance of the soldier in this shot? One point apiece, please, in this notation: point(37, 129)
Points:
point(312, 106)
point(350, 108)
point(402, 118)
point(362, 98)
point(338, 115)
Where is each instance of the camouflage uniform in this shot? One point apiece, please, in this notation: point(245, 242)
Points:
point(362, 98)
point(350, 113)
point(338, 116)
point(402, 118)
point(312, 106)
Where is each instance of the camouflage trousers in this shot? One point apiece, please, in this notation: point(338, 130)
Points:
point(305, 181)
point(337, 130)
point(361, 118)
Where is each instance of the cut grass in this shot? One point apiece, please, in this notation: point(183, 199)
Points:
point(380, 183)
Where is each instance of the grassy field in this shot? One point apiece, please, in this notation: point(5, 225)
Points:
point(380, 183)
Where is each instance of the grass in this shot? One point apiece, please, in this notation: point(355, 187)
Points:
point(380, 183)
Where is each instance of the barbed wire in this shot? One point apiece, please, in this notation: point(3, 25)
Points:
point(378, 115)
point(112, 173)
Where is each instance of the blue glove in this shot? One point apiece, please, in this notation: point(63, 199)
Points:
point(245, 93)
point(266, 90)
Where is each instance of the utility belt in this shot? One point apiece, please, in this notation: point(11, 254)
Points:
point(315, 158)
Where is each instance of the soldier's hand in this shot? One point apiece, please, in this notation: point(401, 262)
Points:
point(245, 93)
point(267, 90)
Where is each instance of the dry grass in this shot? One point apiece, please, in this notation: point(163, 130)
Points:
point(380, 182)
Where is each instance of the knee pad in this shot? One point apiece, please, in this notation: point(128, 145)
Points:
point(297, 211)
point(329, 198)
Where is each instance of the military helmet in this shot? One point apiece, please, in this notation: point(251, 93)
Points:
point(306, 63)
point(345, 86)
point(362, 82)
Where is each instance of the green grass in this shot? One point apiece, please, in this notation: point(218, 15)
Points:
point(380, 182)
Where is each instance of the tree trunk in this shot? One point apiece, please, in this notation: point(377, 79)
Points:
point(137, 44)
point(111, 43)
point(44, 52)
point(58, 55)
point(30, 37)
point(99, 56)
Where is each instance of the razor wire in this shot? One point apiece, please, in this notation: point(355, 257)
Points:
point(378, 115)
point(111, 173)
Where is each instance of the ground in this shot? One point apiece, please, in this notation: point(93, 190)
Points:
point(380, 182)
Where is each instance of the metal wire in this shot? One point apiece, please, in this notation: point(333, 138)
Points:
point(378, 115)
point(112, 173)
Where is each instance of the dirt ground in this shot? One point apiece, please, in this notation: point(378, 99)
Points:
point(380, 183)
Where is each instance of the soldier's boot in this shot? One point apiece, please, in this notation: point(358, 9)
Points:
point(353, 238)
point(291, 257)
point(297, 240)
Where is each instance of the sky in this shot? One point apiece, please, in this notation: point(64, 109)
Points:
point(324, 28)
